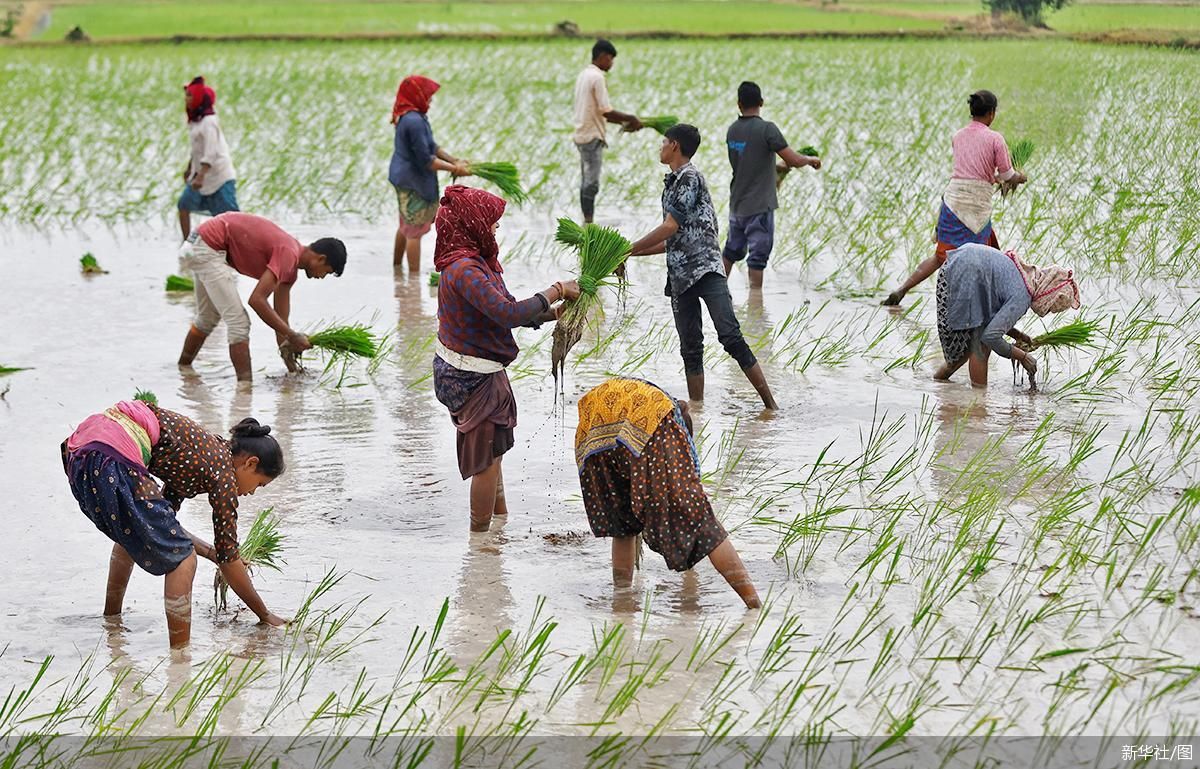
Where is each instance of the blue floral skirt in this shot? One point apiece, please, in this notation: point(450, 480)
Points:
point(127, 505)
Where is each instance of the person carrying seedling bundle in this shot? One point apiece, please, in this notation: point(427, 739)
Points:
point(416, 159)
point(753, 145)
point(209, 181)
point(236, 243)
point(981, 160)
point(111, 462)
point(592, 112)
point(695, 272)
point(981, 294)
point(639, 474)
point(476, 315)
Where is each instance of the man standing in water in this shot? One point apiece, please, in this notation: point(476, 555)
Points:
point(209, 182)
point(592, 112)
point(688, 236)
point(753, 144)
point(236, 243)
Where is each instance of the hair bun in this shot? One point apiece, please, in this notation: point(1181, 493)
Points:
point(250, 428)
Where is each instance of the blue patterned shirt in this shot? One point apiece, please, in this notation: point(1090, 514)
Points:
point(692, 252)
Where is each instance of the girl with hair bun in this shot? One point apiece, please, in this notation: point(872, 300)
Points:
point(981, 162)
point(111, 462)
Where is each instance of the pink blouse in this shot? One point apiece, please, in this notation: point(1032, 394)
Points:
point(981, 154)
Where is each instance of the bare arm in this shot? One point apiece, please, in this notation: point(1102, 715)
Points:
point(626, 119)
point(656, 241)
point(238, 578)
point(794, 159)
point(267, 285)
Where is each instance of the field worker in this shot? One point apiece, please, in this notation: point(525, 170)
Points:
point(111, 461)
point(695, 273)
point(640, 476)
point(981, 161)
point(236, 243)
point(753, 144)
point(476, 316)
point(592, 112)
point(416, 159)
point(981, 294)
point(209, 181)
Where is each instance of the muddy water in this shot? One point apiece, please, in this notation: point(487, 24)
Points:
point(372, 488)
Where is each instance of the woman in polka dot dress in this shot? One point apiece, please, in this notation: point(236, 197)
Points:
point(111, 461)
point(640, 475)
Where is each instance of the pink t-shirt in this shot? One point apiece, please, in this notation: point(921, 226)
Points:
point(253, 245)
point(980, 153)
point(108, 429)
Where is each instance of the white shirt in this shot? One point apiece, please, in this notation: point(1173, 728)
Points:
point(208, 146)
point(591, 102)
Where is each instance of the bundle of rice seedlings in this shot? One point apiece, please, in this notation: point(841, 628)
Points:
point(89, 266)
point(259, 549)
point(810, 150)
point(601, 251)
point(180, 283)
point(1021, 151)
point(346, 341)
point(1075, 334)
point(569, 233)
point(503, 175)
point(434, 279)
point(661, 123)
point(146, 396)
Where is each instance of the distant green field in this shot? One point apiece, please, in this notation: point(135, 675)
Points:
point(161, 19)
point(1109, 18)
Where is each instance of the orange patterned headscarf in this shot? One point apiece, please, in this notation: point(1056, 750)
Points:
point(620, 411)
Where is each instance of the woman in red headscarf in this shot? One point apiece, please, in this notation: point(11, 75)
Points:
point(476, 315)
point(209, 182)
point(416, 159)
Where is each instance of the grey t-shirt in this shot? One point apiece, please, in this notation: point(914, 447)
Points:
point(752, 144)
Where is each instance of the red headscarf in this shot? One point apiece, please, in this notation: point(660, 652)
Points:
point(464, 227)
point(413, 95)
point(204, 99)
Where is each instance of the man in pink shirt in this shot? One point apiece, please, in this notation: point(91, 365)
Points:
point(235, 243)
point(981, 161)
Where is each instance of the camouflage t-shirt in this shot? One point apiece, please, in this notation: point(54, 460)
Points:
point(692, 252)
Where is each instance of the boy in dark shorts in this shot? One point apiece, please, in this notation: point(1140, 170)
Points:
point(688, 236)
point(753, 144)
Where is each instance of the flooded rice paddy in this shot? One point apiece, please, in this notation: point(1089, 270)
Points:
point(937, 560)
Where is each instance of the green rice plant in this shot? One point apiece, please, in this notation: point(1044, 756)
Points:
point(259, 549)
point(1075, 334)
point(434, 279)
point(601, 251)
point(1021, 151)
point(180, 283)
point(6, 370)
point(810, 150)
point(146, 396)
point(503, 175)
point(89, 266)
point(346, 341)
point(661, 123)
point(569, 233)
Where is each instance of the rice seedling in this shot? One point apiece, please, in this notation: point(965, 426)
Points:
point(1021, 151)
point(601, 251)
point(505, 176)
point(146, 396)
point(660, 123)
point(6, 370)
point(180, 284)
point(89, 266)
point(434, 279)
point(260, 549)
point(1075, 334)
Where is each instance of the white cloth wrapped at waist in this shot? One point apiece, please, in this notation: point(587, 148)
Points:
point(971, 201)
point(466, 362)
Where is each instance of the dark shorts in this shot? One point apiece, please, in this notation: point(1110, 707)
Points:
point(224, 199)
point(127, 505)
point(754, 234)
point(657, 495)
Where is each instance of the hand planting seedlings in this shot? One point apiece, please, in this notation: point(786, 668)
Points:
point(260, 549)
point(1074, 334)
point(89, 266)
point(180, 284)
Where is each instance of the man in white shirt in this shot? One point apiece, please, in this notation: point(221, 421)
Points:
point(210, 185)
point(592, 112)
